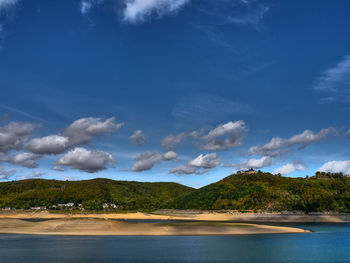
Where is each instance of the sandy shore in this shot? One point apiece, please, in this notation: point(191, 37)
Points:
point(185, 215)
point(93, 226)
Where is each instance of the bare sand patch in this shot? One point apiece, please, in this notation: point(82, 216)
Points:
point(96, 226)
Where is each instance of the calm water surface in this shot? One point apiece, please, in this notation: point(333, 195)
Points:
point(329, 243)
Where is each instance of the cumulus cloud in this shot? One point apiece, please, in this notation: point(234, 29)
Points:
point(147, 160)
point(32, 175)
point(171, 155)
point(85, 160)
point(138, 138)
point(82, 131)
point(13, 135)
point(222, 137)
point(336, 167)
point(199, 165)
point(171, 140)
point(252, 163)
point(278, 146)
point(53, 144)
point(136, 11)
point(233, 131)
point(290, 168)
point(335, 82)
point(6, 174)
point(26, 159)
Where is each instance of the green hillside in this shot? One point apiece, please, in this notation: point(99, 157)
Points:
point(91, 194)
point(260, 191)
point(264, 191)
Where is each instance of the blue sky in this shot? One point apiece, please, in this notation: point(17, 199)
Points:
point(173, 90)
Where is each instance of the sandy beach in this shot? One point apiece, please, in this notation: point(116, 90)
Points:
point(185, 215)
point(46, 223)
point(94, 226)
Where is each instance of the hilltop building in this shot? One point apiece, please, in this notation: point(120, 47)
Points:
point(250, 171)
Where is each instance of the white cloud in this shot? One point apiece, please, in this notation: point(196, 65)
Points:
point(233, 131)
point(336, 167)
point(336, 81)
point(26, 159)
point(199, 165)
point(278, 146)
point(171, 155)
point(6, 174)
point(207, 161)
point(138, 138)
point(82, 131)
point(223, 137)
point(136, 11)
point(252, 163)
point(13, 135)
point(53, 144)
point(290, 168)
point(147, 160)
point(85, 160)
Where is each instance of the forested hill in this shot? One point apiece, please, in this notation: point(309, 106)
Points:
point(267, 192)
point(90, 194)
point(260, 191)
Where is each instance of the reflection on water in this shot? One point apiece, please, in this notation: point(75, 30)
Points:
point(329, 243)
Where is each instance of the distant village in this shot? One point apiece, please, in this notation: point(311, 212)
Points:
point(67, 206)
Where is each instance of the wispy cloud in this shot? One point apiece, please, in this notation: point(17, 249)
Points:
point(205, 108)
point(136, 11)
point(232, 11)
point(20, 112)
point(214, 12)
point(335, 82)
point(278, 146)
point(87, 5)
point(5, 4)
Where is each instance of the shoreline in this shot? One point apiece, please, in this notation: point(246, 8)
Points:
point(185, 215)
point(106, 227)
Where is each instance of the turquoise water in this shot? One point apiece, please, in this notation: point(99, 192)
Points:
point(328, 243)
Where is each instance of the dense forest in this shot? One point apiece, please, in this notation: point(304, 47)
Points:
point(258, 192)
point(89, 194)
point(268, 192)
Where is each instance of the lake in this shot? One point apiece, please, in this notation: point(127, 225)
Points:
point(328, 243)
